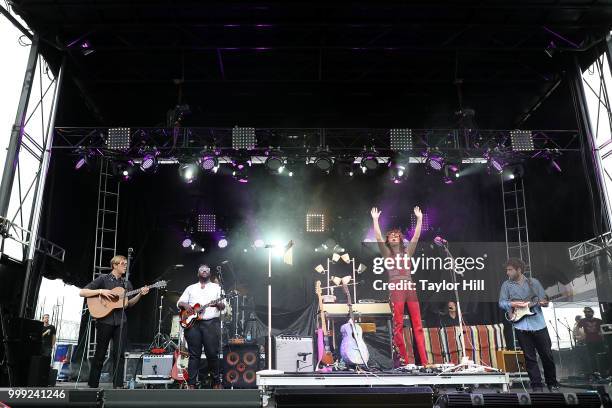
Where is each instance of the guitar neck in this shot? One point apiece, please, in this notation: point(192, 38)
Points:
point(135, 291)
point(349, 301)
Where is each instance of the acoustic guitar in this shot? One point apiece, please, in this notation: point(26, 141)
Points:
point(100, 306)
point(352, 349)
point(325, 354)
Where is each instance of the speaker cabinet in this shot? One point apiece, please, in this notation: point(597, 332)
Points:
point(240, 363)
point(507, 361)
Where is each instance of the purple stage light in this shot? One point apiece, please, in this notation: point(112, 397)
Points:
point(369, 161)
point(186, 243)
point(497, 164)
point(435, 162)
point(149, 161)
point(222, 243)
point(259, 243)
point(82, 162)
point(209, 162)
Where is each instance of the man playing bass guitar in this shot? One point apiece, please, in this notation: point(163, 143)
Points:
point(521, 292)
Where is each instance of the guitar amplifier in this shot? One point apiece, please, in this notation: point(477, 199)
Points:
point(507, 361)
point(157, 365)
point(293, 354)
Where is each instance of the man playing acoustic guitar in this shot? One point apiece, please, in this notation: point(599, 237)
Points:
point(111, 327)
point(520, 292)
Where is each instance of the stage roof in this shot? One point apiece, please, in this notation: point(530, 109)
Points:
point(279, 63)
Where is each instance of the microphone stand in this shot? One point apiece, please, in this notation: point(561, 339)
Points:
point(123, 315)
point(569, 332)
point(465, 365)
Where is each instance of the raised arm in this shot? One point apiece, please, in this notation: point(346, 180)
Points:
point(417, 231)
point(375, 215)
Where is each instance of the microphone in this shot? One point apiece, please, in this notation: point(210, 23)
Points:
point(218, 268)
point(224, 262)
point(439, 241)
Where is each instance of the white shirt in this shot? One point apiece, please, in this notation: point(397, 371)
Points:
point(195, 294)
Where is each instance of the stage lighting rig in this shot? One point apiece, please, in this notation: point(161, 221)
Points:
point(522, 140)
point(149, 160)
point(207, 223)
point(451, 173)
point(315, 222)
point(123, 169)
point(514, 172)
point(241, 165)
point(83, 159)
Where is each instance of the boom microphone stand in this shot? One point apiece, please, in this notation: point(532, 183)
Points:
point(465, 365)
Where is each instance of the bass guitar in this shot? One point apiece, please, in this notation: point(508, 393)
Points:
point(100, 306)
point(188, 319)
point(325, 354)
point(352, 349)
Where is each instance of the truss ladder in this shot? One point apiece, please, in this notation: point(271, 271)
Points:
point(515, 222)
point(106, 232)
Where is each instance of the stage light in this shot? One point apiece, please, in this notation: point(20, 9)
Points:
point(222, 243)
point(401, 139)
point(550, 49)
point(324, 162)
point(335, 257)
point(275, 162)
point(425, 226)
point(361, 269)
point(259, 243)
point(118, 139)
point(209, 162)
point(497, 164)
point(451, 173)
point(398, 172)
point(241, 165)
point(435, 161)
point(522, 140)
point(188, 171)
point(315, 223)
point(320, 269)
point(243, 138)
point(345, 257)
point(338, 249)
point(369, 161)
point(149, 161)
point(186, 243)
point(515, 171)
point(207, 223)
point(82, 161)
point(123, 169)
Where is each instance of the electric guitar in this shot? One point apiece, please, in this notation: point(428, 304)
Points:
point(352, 349)
point(100, 306)
point(179, 369)
point(516, 314)
point(188, 319)
point(325, 354)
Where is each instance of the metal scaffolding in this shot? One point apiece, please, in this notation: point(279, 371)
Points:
point(515, 222)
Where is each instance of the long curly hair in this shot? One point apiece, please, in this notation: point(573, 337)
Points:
point(401, 243)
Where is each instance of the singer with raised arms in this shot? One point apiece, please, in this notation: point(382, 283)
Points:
point(390, 247)
point(206, 329)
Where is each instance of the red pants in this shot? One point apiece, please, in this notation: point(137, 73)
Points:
point(398, 299)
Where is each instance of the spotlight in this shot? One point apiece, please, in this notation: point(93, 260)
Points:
point(188, 171)
point(514, 172)
point(275, 162)
point(401, 139)
point(521, 140)
point(241, 164)
point(186, 242)
point(222, 243)
point(324, 162)
point(338, 249)
point(209, 162)
point(497, 164)
point(435, 160)
point(315, 223)
point(243, 138)
point(361, 269)
point(86, 48)
point(320, 269)
point(207, 223)
point(550, 49)
point(451, 173)
point(123, 169)
point(398, 172)
point(369, 161)
point(335, 257)
point(345, 257)
point(258, 243)
point(118, 139)
point(82, 161)
point(149, 161)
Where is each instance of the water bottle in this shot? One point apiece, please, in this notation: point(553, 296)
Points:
point(249, 336)
point(131, 384)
